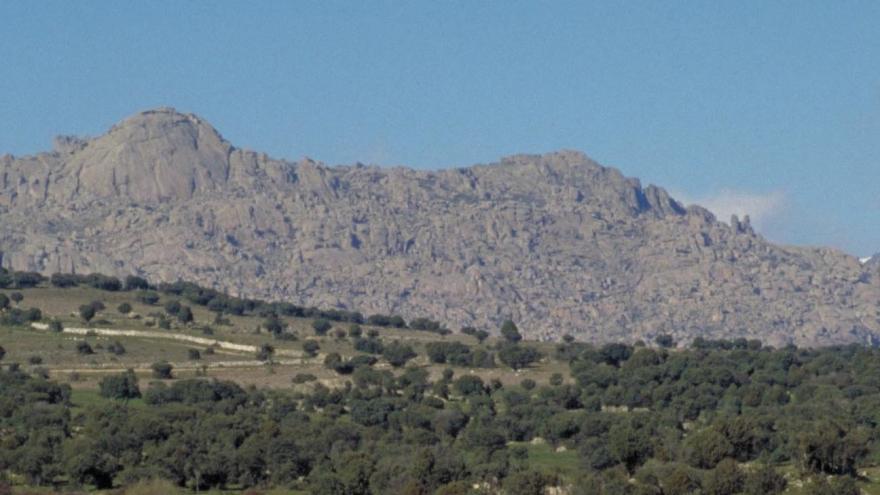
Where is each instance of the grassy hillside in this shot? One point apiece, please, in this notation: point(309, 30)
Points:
point(57, 351)
point(277, 399)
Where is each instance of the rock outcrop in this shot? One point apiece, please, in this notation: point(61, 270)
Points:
point(556, 242)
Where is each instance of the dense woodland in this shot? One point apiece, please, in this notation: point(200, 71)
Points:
point(717, 417)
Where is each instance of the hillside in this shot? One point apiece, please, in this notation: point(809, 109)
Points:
point(556, 242)
point(127, 389)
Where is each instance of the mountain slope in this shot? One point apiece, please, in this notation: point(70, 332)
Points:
point(556, 242)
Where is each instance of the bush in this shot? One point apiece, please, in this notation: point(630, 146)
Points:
point(398, 354)
point(162, 370)
point(726, 478)
point(665, 341)
point(18, 317)
point(311, 348)
point(335, 362)
point(56, 326)
point(103, 282)
point(764, 481)
point(193, 354)
point(124, 308)
point(64, 280)
point(510, 332)
point(265, 352)
point(321, 326)
point(185, 315)
point(136, 283)
point(123, 386)
point(83, 347)
point(304, 378)
point(149, 298)
point(370, 346)
point(469, 385)
point(527, 482)
point(275, 325)
point(518, 356)
point(116, 348)
point(87, 312)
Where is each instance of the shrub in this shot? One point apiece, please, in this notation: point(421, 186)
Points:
point(124, 308)
point(136, 283)
point(83, 347)
point(116, 348)
point(162, 370)
point(123, 386)
point(518, 356)
point(370, 345)
point(469, 385)
point(304, 378)
point(311, 347)
point(275, 325)
point(321, 326)
point(510, 332)
point(149, 297)
point(398, 354)
point(87, 312)
point(265, 352)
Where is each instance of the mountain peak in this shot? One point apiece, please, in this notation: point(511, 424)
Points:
point(155, 155)
point(163, 122)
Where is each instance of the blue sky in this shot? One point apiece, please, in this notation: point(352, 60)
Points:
point(766, 107)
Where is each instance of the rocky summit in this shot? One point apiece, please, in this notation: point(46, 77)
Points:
point(555, 242)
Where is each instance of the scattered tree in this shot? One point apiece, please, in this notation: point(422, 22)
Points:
point(321, 326)
point(87, 312)
point(311, 347)
point(123, 386)
point(510, 332)
point(162, 370)
point(398, 354)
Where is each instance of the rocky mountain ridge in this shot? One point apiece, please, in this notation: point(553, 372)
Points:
point(556, 242)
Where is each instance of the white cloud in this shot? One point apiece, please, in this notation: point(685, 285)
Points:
point(762, 208)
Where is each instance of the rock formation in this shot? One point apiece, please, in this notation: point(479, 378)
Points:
point(555, 242)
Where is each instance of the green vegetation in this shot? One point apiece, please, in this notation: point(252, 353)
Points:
point(407, 408)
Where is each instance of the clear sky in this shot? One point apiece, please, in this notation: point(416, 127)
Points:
point(771, 107)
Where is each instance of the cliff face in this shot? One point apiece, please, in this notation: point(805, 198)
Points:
point(556, 242)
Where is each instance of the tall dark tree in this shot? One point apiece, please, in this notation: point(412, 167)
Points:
point(510, 332)
point(87, 312)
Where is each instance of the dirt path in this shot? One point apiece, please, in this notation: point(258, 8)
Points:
point(180, 337)
point(145, 367)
